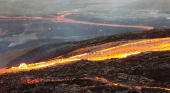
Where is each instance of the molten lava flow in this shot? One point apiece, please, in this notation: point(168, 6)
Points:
point(121, 51)
point(23, 66)
point(124, 50)
point(62, 18)
point(39, 65)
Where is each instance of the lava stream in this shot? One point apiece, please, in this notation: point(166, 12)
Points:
point(62, 18)
point(121, 51)
point(124, 50)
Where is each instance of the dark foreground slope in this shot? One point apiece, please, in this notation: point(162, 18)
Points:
point(131, 75)
point(49, 51)
point(144, 73)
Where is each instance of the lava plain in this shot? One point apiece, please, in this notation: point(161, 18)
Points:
point(36, 30)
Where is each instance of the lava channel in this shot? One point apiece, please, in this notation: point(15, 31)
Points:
point(62, 19)
point(121, 51)
point(125, 50)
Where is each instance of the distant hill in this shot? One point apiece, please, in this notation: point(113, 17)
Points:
point(151, 5)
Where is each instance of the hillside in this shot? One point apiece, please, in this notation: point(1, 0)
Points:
point(11, 55)
point(147, 72)
point(50, 51)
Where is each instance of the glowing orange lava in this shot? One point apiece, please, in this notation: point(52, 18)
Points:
point(23, 66)
point(62, 18)
point(121, 51)
point(131, 87)
point(124, 50)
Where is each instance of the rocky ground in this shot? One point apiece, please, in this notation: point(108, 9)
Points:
point(144, 73)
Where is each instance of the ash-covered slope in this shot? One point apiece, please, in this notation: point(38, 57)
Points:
point(46, 52)
point(151, 5)
point(146, 72)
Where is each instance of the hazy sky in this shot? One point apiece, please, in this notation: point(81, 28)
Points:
point(48, 6)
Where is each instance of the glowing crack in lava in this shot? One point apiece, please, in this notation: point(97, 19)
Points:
point(120, 51)
point(99, 79)
point(62, 19)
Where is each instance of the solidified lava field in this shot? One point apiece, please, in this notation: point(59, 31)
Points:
point(56, 28)
point(144, 72)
